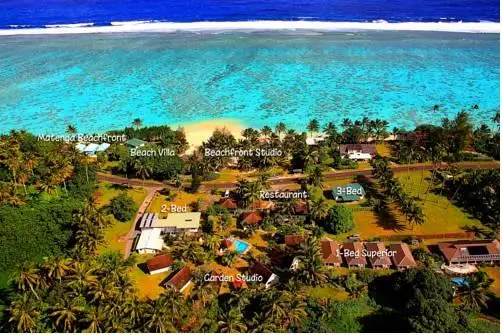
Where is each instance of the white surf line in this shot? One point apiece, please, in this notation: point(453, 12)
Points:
point(169, 27)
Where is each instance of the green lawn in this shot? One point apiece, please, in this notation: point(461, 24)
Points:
point(441, 216)
point(118, 229)
point(337, 294)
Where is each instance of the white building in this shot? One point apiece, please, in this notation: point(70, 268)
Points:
point(150, 241)
point(175, 222)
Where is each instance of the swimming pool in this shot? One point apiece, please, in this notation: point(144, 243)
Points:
point(241, 246)
point(461, 281)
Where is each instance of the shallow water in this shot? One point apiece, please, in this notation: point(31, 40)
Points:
point(104, 81)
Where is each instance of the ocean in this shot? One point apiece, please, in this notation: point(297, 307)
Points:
point(259, 77)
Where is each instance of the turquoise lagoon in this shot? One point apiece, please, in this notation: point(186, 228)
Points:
point(103, 81)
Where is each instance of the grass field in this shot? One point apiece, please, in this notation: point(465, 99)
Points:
point(148, 285)
point(441, 216)
point(337, 294)
point(494, 273)
point(181, 199)
point(117, 229)
point(384, 149)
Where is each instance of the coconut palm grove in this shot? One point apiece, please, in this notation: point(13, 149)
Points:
point(339, 227)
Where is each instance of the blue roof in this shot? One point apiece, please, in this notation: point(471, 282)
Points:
point(348, 192)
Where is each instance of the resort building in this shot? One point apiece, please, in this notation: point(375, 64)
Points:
point(150, 241)
point(402, 257)
point(267, 277)
point(330, 253)
point(353, 253)
point(226, 244)
point(294, 240)
point(158, 264)
point(251, 218)
point(285, 262)
point(470, 251)
point(316, 140)
point(135, 143)
point(378, 256)
point(358, 151)
point(262, 205)
point(348, 192)
point(180, 281)
point(229, 204)
point(92, 149)
point(301, 207)
point(174, 223)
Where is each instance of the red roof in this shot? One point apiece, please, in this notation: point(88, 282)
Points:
point(402, 255)
point(181, 278)
point(251, 218)
point(465, 250)
point(301, 207)
point(355, 247)
point(262, 204)
point(239, 283)
point(292, 240)
point(330, 252)
point(226, 243)
point(159, 262)
point(228, 203)
point(261, 270)
point(377, 260)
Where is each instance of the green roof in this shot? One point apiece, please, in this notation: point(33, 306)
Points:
point(348, 192)
point(135, 142)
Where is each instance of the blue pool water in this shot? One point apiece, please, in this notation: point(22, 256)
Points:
point(240, 246)
point(461, 281)
point(103, 81)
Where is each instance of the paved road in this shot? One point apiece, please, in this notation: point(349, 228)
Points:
point(296, 179)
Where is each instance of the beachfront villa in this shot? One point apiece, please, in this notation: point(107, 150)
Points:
point(135, 143)
point(358, 151)
point(470, 251)
point(348, 193)
point(92, 149)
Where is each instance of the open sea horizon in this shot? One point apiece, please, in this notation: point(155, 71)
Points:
point(99, 82)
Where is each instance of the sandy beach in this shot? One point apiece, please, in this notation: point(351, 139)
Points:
point(197, 132)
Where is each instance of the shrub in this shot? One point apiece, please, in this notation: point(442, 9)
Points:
point(339, 220)
point(122, 207)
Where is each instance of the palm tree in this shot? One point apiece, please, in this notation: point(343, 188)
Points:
point(474, 293)
point(316, 177)
point(24, 313)
point(231, 322)
point(95, 318)
point(56, 267)
point(212, 242)
point(249, 192)
point(266, 131)
point(30, 279)
point(66, 314)
point(138, 123)
point(280, 128)
point(318, 209)
point(143, 169)
point(311, 270)
point(346, 123)
point(71, 129)
point(313, 126)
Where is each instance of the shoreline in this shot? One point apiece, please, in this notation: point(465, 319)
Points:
point(199, 131)
point(250, 26)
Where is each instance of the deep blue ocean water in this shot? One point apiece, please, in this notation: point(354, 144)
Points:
point(38, 13)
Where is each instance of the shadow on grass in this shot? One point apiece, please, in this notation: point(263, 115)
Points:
point(143, 267)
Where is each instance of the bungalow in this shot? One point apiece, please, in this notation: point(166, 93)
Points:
point(353, 253)
point(301, 207)
point(229, 204)
point(330, 253)
point(294, 240)
point(470, 251)
point(378, 255)
point(180, 281)
point(264, 274)
point(135, 143)
point(158, 264)
point(316, 140)
point(402, 257)
point(285, 262)
point(225, 245)
point(348, 192)
point(358, 151)
point(262, 205)
point(92, 149)
point(150, 241)
point(251, 218)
